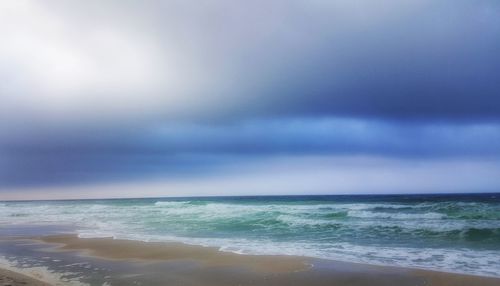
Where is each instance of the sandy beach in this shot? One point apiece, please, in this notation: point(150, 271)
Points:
point(11, 278)
point(251, 241)
point(181, 264)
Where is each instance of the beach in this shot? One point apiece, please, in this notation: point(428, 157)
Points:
point(306, 240)
point(11, 278)
point(181, 264)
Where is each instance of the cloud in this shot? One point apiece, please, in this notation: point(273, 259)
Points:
point(108, 91)
point(173, 150)
point(116, 61)
point(63, 62)
point(295, 176)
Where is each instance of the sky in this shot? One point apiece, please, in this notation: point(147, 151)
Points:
point(220, 97)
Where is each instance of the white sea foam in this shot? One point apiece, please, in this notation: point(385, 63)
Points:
point(298, 221)
point(398, 216)
point(170, 204)
point(41, 273)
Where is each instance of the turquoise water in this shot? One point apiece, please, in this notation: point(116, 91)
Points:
point(457, 233)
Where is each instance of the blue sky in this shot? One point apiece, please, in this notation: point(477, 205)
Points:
point(130, 99)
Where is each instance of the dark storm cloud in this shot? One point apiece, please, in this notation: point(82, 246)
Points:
point(178, 150)
point(438, 61)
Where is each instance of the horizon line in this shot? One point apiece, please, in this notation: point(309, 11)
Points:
point(254, 196)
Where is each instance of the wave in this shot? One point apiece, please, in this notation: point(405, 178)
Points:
point(481, 234)
point(298, 221)
point(396, 216)
point(373, 232)
point(170, 203)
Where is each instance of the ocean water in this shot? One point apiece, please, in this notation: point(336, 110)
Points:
point(455, 233)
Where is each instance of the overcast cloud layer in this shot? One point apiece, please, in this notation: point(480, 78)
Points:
point(110, 92)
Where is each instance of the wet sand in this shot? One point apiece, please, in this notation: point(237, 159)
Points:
point(11, 278)
point(181, 264)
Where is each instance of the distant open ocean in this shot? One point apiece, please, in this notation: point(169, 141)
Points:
point(455, 233)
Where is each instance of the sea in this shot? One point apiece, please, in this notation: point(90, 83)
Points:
point(457, 233)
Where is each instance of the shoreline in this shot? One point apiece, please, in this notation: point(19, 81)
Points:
point(65, 242)
point(132, 250)
point(15, 277)
point(152, 263)
point(264, 269)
